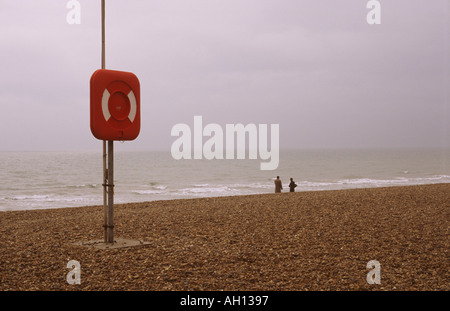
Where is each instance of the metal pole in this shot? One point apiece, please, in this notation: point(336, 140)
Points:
point(110, 227)
point(105, 169)
point(105, 198)
point(103, 34)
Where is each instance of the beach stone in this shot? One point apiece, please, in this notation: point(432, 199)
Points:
point(320, 240)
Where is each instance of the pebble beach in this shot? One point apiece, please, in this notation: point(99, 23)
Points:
point(302, 241)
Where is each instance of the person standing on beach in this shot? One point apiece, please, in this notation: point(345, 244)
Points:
point(278, 185)
point(292, 185)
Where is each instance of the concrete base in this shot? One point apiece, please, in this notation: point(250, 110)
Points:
point(118, 243)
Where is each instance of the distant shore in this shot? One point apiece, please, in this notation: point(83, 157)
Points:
point(319, 240)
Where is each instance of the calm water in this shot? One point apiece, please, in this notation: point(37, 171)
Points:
point(35, 180)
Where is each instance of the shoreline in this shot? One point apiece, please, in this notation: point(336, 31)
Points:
point(218, 197)
point(307, 240)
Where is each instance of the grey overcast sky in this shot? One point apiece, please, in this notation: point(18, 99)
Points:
point(315, 67)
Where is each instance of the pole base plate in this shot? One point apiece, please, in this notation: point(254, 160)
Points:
point(118, 243)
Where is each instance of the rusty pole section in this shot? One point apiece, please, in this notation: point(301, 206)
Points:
point(110, 225)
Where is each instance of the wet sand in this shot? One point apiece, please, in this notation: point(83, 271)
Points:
point(299, 241)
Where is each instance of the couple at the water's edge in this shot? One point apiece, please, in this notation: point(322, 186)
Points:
point(279, 186)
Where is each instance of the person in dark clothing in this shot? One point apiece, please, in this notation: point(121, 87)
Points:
point(292, 185)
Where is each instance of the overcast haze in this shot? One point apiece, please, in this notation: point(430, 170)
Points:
point(316, 68)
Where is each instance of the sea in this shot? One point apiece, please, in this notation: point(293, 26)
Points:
point(43, 180)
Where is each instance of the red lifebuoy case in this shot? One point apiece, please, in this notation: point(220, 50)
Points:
point(115, 105)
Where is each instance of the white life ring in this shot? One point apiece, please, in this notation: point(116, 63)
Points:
point(105, 108)
point(117, 97)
